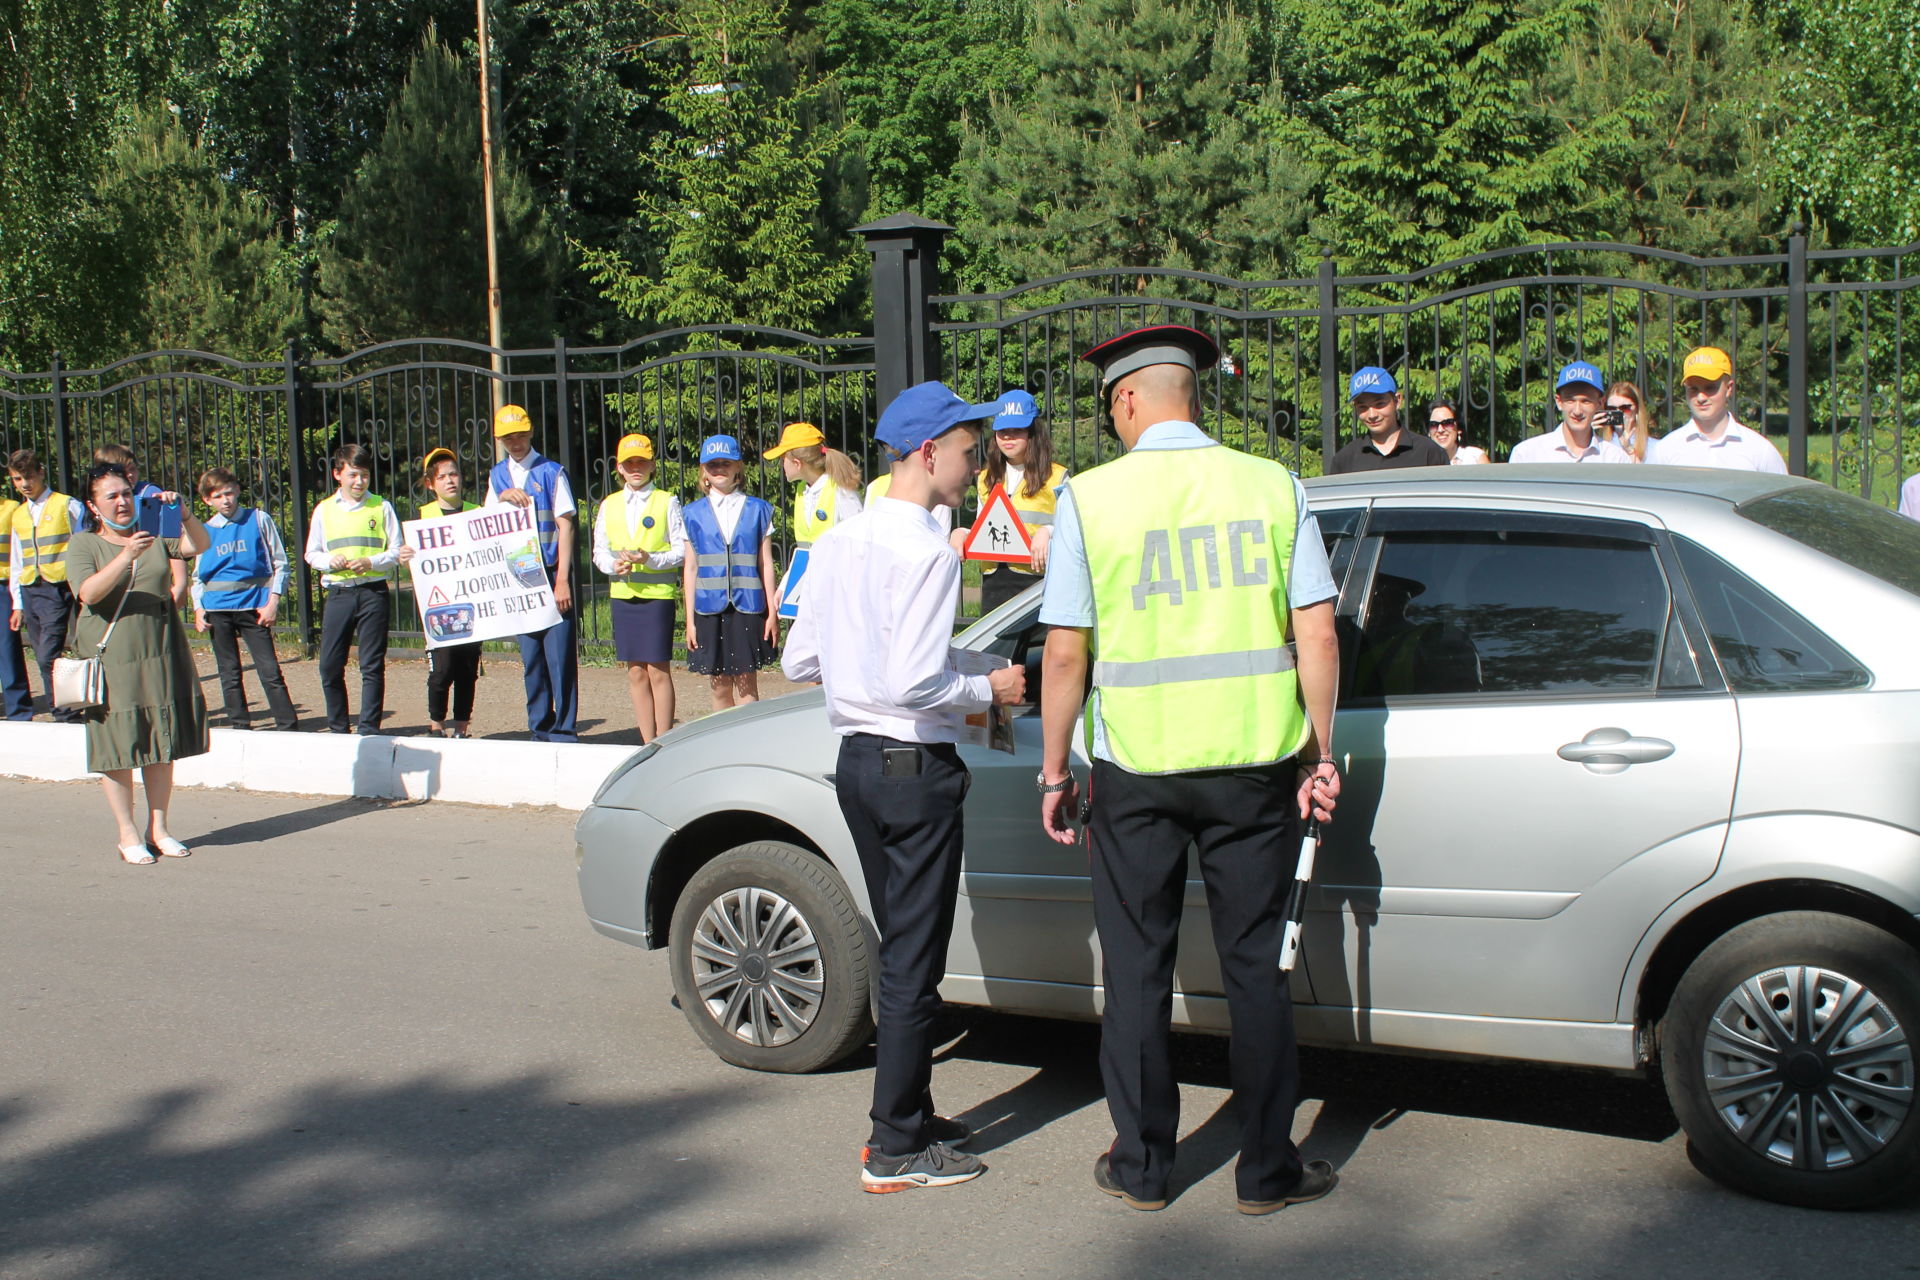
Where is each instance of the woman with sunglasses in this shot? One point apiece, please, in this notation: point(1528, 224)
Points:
point(1629, 429)
point(1443, 426)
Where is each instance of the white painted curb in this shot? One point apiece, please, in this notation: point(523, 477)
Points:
point(470, 770)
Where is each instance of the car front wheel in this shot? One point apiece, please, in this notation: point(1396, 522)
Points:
point(1789, 1056)
point(770, 960)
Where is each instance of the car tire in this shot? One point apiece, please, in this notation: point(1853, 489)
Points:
point(1789, 1053)
point(771, 959)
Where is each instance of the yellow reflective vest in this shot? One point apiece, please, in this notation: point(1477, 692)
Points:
point(7, 508)
point(640, 582)
point(43, 544)
point(810, 520)
point(435, 509)
point(1190, 551)
point(355, 534)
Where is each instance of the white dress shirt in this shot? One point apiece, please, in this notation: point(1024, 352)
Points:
point(1738, 449)
point(76, 518)
point(320, 558)
point(726, 510)
point(636, 505)
point(563, 504)
point(876, 619)
point(269, 538)
point(1556, 446)
point(845, 508)
point(1910, 498)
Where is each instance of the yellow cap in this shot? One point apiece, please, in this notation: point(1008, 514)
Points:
point(510, 418)
point(798, 435)
point(633, 446)
point(1710, 363)
point(433, 456)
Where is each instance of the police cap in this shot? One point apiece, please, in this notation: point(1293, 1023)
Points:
point(1135, 349)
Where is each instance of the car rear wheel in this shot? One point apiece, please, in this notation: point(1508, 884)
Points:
point(770, 960)
point(1789, 1052)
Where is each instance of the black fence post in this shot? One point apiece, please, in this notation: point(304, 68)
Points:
point(563, 416)
point(1797, 338)
point(906, 272)
point(296, 472)
point(62, 466)
point(1329, 361)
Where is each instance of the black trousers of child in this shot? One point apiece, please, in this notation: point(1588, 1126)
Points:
point(452, 669)
point(226, 628)
point(354, 615)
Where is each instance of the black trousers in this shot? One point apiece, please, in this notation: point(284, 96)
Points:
point(46, 610)
point(226, 628)
point(909, 833)
point(1246, 827)
point(453, 668)
point(354, 615)
point(1001, 584)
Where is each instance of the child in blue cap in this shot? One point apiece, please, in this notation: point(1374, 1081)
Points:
point(1383, 445)
point(728, 577)
point(1020, 457)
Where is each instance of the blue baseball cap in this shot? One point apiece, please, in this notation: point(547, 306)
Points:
point(719, 449)
point(1014, 411)
point(1579, 372)
point(1372, 380)
point(927, 411)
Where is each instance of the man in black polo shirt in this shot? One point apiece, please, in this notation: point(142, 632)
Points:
point(1376, 401)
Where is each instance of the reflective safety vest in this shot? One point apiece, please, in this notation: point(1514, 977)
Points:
point(7, 507)
point(435, 509)
point(1035, 511)
point(543, 474)
point(727, 571)
point(879, 486)
point(354, 534)
point(810, 520)
point(643, 582)
point(1190, 551)
point(43, 545)
point(235, 571)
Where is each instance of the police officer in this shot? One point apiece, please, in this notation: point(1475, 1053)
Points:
point(1180, 570)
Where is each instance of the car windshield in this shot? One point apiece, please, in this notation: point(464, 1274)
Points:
point(1849, 529)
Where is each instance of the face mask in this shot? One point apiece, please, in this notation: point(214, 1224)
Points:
point(116, 526)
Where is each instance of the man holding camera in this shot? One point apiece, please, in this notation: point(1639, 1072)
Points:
point(1578, 395)
point(1713, 438)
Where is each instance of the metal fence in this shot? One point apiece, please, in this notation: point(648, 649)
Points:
point(1816, 339)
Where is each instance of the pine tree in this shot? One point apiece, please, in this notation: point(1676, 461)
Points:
point(1135, 146)
point(408, 255)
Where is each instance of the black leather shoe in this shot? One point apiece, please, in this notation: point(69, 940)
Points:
point(1316, 1180)
point(1103, 1178)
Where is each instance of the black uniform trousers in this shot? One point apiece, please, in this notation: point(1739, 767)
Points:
point(226, 628)
point(1245, 824)
point(452, 668)
point(909, 832)
point(354, 615)
point(46, 611)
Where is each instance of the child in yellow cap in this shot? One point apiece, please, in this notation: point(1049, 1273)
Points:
point(452, 669)
point(829, 480)
point(639, 541)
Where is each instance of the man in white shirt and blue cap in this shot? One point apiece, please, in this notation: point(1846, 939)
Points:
point(1578, 394)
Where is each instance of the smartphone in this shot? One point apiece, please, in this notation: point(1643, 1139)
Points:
point(900, 762)
point(151, 516)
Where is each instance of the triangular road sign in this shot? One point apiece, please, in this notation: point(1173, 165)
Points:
point(998, 533)
point(438, 597)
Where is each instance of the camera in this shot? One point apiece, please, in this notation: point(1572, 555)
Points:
point(1610, 418)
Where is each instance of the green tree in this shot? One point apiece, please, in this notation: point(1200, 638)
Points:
point(408, 255)
point(1135, 146)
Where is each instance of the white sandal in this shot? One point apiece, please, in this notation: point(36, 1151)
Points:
point(135, 855)
point(171, 848)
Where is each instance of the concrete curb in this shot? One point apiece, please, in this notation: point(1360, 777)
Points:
point(470, 770)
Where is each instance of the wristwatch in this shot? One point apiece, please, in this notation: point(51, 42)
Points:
point(1046, 788)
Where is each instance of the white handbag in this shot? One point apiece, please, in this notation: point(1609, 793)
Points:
point(82, 682)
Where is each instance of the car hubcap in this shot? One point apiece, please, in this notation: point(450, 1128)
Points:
point(757, 967)
point(1809, 1067)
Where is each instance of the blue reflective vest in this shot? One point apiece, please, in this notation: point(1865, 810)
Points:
point(234, 570)
point(728, 573)
point(542, 474)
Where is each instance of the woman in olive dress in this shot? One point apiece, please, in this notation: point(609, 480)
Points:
point(153, 714)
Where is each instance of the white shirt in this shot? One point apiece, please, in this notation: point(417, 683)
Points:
point(671, 558)
point(878, 486)
point(726, 510)
point(320, 558)
point(269, 538)
point(563, 504)
point(1738, 449)
point(844, 509)
point(76, 519)
point(1554, 446)
point(875, 622)
point(1910, 498)
point(1468, 455)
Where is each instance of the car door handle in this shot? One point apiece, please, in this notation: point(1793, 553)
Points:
point(1613, 750)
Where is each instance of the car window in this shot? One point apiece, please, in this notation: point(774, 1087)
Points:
point(1851, 530)
point(1763, 646)
point(1024, 641)
point(1513, 611)
point(1339, 528)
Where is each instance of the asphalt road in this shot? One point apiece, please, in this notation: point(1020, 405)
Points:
point(367, 1040)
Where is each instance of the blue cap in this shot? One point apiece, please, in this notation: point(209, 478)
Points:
point(1014, 411)
point(719, 449)
point(925, 412)
point(1579, 372)
point(1372, 380)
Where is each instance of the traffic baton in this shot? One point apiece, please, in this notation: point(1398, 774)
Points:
point(1297, 897)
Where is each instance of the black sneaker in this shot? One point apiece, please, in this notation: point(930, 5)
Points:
point(949, 1132)
point(1316, 1180)
point(938, 1166)
point(1103, 1178)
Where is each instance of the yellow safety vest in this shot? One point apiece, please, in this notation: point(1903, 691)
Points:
point(1190, 550)
point(641, 582)
point(880, 486)
point(7, 507)
point(1035, 511)
point(43, 546)
point(435, 509)
point(809, 522)
point(354, 534)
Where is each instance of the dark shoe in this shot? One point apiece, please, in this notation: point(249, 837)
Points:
point(1316, 1180)
point(937, 1166)
point(1103, 1178)
point(949, 1132)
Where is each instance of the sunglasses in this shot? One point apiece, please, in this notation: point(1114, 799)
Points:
point(1451, 424)
point(1625, 408)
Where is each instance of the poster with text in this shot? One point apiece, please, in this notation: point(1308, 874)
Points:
point(479, 575)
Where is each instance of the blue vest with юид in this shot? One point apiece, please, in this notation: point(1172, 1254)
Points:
point(234, 570)
point(728, 572)
point(543, 474)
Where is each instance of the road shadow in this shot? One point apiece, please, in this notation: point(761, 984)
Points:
point(279, 825)
point(423, 1179)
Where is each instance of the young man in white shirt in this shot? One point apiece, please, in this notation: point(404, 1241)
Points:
point(874, 628)
point(1713, 438)
point(1577, 394)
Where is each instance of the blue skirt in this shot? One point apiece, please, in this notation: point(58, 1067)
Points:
point(643, 630)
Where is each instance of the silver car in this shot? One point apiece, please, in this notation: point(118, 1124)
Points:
point(1631, 758)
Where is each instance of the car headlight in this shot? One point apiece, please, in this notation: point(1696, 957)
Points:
point(620, 771)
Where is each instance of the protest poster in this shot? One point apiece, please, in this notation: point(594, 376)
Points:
point(479, 575)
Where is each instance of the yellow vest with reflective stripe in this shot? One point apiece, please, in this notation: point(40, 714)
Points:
point(1190, 550)
point(1035, 511)
point(812, 520)
point(43, 546)
point(435, 509)
point(354, 534)
point(640, 582)
point(7, 507)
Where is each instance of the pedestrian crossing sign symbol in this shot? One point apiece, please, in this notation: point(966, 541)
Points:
point(438, 597)
point(790, 585)
point(998, 533)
